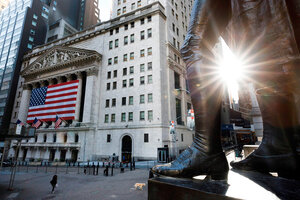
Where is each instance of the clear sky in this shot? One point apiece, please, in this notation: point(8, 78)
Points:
point(105, 9)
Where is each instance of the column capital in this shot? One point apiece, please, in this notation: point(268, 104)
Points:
point(78, 74)
point(92, 71)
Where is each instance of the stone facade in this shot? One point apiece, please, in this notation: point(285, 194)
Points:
point(127, 94)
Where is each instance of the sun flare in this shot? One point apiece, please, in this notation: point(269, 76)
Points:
point(231, 70)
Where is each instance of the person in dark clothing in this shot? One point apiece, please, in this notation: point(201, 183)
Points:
point(53, 182)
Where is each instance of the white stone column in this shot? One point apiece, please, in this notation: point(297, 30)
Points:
point(37, 154)
point(68, 154)
point(78, 98)
point(20, 155)
point(88, 99)
point(57, 154)
point(24, 104)
point(29, 154)
point(46, 155)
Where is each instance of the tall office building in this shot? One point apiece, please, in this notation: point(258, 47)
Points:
point(117, 86)
point(22, 27)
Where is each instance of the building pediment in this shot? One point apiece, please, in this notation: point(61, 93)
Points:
point(59, 57)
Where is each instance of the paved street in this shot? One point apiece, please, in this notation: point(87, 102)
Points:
point(34, 185)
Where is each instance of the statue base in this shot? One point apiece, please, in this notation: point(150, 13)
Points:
point(240, 185)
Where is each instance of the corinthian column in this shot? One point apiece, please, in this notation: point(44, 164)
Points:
point(78, 98)
point(24, 105)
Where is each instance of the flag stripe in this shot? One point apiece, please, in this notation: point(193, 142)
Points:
point(47, 102)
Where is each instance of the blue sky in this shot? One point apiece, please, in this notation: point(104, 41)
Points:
point(105, 9)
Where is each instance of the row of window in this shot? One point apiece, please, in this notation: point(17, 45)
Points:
point(130, 116)
point(130, 100)
point(125, 56)
point(65, 139)
point(126, 26)
point(131, 70)
point(139, 4)
point(142, 36)
point(146, 138)
point(130, 82)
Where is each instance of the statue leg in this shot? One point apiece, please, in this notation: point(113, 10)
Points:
point(205, 156)
point(277, 152)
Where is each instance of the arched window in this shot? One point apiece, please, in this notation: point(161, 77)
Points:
point(76, 138)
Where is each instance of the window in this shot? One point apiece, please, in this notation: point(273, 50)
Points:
point(149, 51)
point(146, 137)
point(149, 18)
point(142, 115)
point(142, 98)
point(124, 1)
point(123, 117)
point(142, 35)
point(177, 31)
point(29, 46)
point(130, 100)
point(119, 2)
point(33, 23)
point(150, 98)
point(172, 12)
point(142, 80)
point(131, 69)
point(35, 16)
point(114, 85)
point(132, 6)
point(106, 118)
point(132, 25)
point(174, 42)
point(113, 118)
point(178, 111)
point(107, 103)
point(123, 101)
point(149, 32)
point(76, 139)
point(176, 80)
point(142, 21)
point(142, 67)
point(173, 27)
point(125, 40)
point(45, 138)
point(109, 61)
point(113, 102)
point(150, 81)
point(131, 55)
point(54, 138)
point(131, 82)
point(149, 65)
point(125, 57)
point(115, 73)
point(108, 75)
point(116, 43)
point(181, 137)
point(32, 32)
point(130, 116)
point(110, 44)
point(116, 60)
point(142, 53)
point(124, 9)
point(150, 114)
point(124, 83)
point(108, 86)
point(126, 27)
point(124, 71)
point(132, 38)
point(139, 3)
point(118, 12)
point(108, 138)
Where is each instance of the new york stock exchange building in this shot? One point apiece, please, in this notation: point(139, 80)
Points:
point(115, 90)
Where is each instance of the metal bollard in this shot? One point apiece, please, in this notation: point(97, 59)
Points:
point(130, 166)
point(112, 170)
point(56, 168)
point(37, 168)
point(97, 168)
point(67, 169)
point(27, 167)
point(78, 168)
point(46, 168)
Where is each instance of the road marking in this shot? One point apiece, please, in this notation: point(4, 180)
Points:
point(12, 195)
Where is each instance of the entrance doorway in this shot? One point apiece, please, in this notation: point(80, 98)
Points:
point(74, 155)
point(24, 154)
point(63, 155)
point(52, 155)
point(126, 148)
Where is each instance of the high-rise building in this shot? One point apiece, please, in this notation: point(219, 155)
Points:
point(126, 87)
point(22, 27)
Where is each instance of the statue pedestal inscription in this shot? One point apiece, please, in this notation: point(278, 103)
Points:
point(240, 185)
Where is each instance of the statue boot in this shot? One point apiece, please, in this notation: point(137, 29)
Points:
point(277, 151)
point(205, 156)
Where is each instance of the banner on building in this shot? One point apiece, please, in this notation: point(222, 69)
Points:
point(58, 99)
point(172, 127)
point(191, 119)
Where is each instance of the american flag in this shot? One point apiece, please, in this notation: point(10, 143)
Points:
point(36, 123)
point(20, 122)
point(47, 102)
point(57, 122)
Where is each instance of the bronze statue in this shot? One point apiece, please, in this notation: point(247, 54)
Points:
point(267, 34)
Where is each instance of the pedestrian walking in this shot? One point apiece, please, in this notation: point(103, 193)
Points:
point(53, 182)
